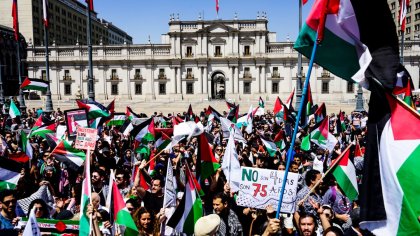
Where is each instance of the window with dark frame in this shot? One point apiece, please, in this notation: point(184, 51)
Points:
point(325, 87)
point(190, 88)
point(218, 51)
point(275, 88)
point(247, 51)
point(114, 89)
point(247, 88)
point(67, 89)
point(189, 51)
point(162, 88)
point(138, 89)
point(350, 87)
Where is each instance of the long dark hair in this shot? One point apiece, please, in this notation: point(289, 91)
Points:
point(44, 205)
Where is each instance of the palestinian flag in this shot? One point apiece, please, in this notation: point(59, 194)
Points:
point(305, 145)
point(52, 140)
point(261, 102)
point(341, 34)
point(230, 105)
point(211, 110)
point(9, 173)
point(72, 157)
point(233, 114)
point(270, 146)
point(320, 113)
point(209, 164)
point(189, 210)
point(26, 145)
point(84, 226)
point(44, 130)
point(121, 215)
point(406, 92)
point(176, 120)
point(341, 118)
point(13, 110)
point(396, 207)
point(279, 140)
point(162, 142)
point(289, 101)
point(34, 84)
point(129, 113)
point(145, 132)
point(190, 114)
point(41, 121)
point(280, 110)
point(322, 137)
point(345, 175)
point(127, 127)
point(94, 109)
point(309, 102)
point(117, 120)
point(195, 182)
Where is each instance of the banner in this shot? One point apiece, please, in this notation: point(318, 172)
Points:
point(86, 138)
point(53, 226)
point(75, 118)
point(259, 188)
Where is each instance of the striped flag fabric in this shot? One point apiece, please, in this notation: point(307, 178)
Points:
point(117, 120)
point(320, 113)
point(9, 173)
point(145, 132)
point(231, 166)
point(398, 156)
point(45, 11)
point(341, 34)
point(209, 164)
point(169, 199)
point(189, 210)
point(90, 5)
point(403, 12)
point(230, 105)
point(279, 140)
point(86, 198)
point(122, 216)
point(289, 101)
point(345, 175)
point(34, 84)
point(26, 145)
point(217, 6)
point(94, 109)
point(321, 135)
point(72, 157)
point(129, 113)
point(13, 110)
point(15, 16)
point(233, 114)
point(32, 228)
point(270, 146)
point(163, 141)
point(44, 130)
point(305, 145)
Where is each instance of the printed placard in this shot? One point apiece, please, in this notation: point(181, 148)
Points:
point(75, 118)
point(86, 138)
point(259, 188)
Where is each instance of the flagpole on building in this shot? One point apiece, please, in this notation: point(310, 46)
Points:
point(49, 105)
point(402, 47)
point(91, 88)
point(21, 99)
point(299, 69)
point(292, 144)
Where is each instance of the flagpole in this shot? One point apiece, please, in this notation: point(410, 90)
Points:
point(299, 72)
point(49, 105)
point(292, 144)
point(21, 99)
point(91, 88)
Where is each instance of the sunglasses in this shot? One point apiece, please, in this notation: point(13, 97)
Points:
point(119, 178)
point(218, 149)
point(10, 201)
point(130, 209)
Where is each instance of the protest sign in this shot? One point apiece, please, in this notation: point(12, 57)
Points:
point(259, 188)
point(75, 118)
point(86, 138)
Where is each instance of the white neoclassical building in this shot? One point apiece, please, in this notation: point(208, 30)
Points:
point(197, 60)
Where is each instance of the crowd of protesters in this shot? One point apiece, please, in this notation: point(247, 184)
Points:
point(327, 211)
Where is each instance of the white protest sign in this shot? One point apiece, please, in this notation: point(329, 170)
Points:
point(259, 188)
point(86, 138)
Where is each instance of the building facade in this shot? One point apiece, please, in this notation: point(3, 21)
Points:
point(197, 60)
point(8, 61)
point(67, 23)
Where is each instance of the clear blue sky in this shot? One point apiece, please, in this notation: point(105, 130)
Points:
point(141, 18)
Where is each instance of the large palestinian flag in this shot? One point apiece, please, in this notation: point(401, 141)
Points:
point(322, 137)
point(34, 84)
point(9, 173)
point(94, 109)
point(69, 155)
point(399, 162)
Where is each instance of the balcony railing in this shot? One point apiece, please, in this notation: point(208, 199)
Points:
point(247, 54)
point(218, 55)
point(190, 76)
point(247, 75)
point(66, 77)
point(325, 74)
point(114, 77)
point(161, 76)
point(138, 77)
point(275, 74)
point(189, 54)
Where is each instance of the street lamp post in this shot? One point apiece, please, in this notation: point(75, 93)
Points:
point(91, 89)
point(49, 105)
point(359, 99)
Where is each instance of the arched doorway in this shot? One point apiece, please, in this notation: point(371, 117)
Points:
point(218, 85)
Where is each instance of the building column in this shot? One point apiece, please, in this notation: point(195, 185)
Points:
point(258, 79)
point(204, 77)
point(200, 81)
point(263, 80)
point(229, 82)
point(236, 79)
point(173, 80)
point(178, 80)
